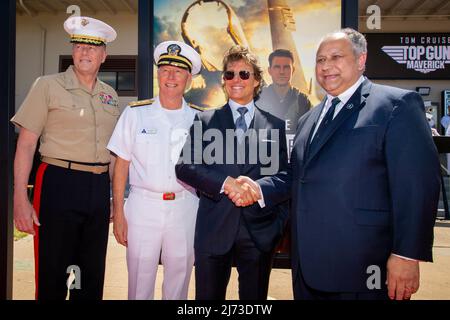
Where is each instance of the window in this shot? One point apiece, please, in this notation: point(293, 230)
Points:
point(117, 71)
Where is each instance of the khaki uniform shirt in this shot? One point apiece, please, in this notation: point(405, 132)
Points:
point(72, 122)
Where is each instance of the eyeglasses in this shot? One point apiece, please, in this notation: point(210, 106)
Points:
point(243, 74)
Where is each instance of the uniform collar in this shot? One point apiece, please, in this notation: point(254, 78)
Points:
point(71, 82)
point(289, 93)
point(185, 109)
point(70, 79)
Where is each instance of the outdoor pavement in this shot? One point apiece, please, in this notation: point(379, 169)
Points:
point(434, 284)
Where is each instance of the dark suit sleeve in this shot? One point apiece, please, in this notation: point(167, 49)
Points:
point(414, 178)
point(277, 188)
point(192, 170)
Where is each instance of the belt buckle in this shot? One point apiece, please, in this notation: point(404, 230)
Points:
point(97, 170)
point(168, 196)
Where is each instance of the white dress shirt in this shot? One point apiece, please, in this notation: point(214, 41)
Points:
point(248, 116)
point(343, 97)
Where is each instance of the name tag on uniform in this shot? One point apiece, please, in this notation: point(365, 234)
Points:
point(148, 131)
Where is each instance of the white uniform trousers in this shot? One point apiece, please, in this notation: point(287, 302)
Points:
point(157, 228)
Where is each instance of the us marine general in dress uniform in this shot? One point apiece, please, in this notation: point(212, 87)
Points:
point(73, 114)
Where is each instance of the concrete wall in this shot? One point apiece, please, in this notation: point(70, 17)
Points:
point(40, 40)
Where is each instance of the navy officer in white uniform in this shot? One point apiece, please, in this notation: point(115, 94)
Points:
point(157, 222)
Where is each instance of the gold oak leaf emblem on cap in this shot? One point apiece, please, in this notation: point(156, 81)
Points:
point(173, 49)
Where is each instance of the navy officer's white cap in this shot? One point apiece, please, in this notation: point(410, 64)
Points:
point(89, 30)
point(178, 54)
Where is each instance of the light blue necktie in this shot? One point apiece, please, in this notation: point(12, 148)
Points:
point(241, 125)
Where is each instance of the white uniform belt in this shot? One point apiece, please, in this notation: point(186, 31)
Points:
point(160, 195)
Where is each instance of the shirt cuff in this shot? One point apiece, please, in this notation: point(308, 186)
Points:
point(222, 189)
point(261, 202)
point(406, 258)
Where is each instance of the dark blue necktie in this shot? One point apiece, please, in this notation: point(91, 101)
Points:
point(241, 125)
point(326, 121)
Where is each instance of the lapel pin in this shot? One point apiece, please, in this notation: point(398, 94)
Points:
point(350, 106)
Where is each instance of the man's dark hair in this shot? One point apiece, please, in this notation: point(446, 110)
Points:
point(281, 53)
point(236, 53)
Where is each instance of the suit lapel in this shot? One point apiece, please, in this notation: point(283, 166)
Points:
point(258, 122)
point(355, 104)
point(306, 131)
point(224, 121)
point(225, 117)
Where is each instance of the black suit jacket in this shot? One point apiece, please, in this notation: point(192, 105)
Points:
point(369, 188)
point(218, 218)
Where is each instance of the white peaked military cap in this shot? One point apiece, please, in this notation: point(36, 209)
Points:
point(89, 30)
point(178, 54)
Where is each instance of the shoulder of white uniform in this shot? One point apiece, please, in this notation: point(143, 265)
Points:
point(141, 103)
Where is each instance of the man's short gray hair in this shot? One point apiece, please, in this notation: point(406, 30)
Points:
point(358, 41)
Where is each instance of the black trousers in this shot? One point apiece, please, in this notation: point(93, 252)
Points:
point(212, 272)
point(74, 210)
point(304, 292)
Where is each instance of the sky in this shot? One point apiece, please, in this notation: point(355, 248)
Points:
point(207, 24)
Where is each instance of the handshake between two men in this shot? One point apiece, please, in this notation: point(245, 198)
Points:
point(242, 191)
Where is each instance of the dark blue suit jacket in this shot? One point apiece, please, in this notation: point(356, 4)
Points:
point(368, 189)
point(217, 217)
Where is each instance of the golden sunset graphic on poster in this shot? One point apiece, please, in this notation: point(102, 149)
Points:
point(212, 27)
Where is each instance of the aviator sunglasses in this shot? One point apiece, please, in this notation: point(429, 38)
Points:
point(243, 74)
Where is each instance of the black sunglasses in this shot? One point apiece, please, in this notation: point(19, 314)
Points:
point(243, 74)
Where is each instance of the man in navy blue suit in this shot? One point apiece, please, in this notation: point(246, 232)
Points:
point(237, 139)
point(364, 180)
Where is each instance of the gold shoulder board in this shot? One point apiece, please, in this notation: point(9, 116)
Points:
point(193, 106)
point(141, 103)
